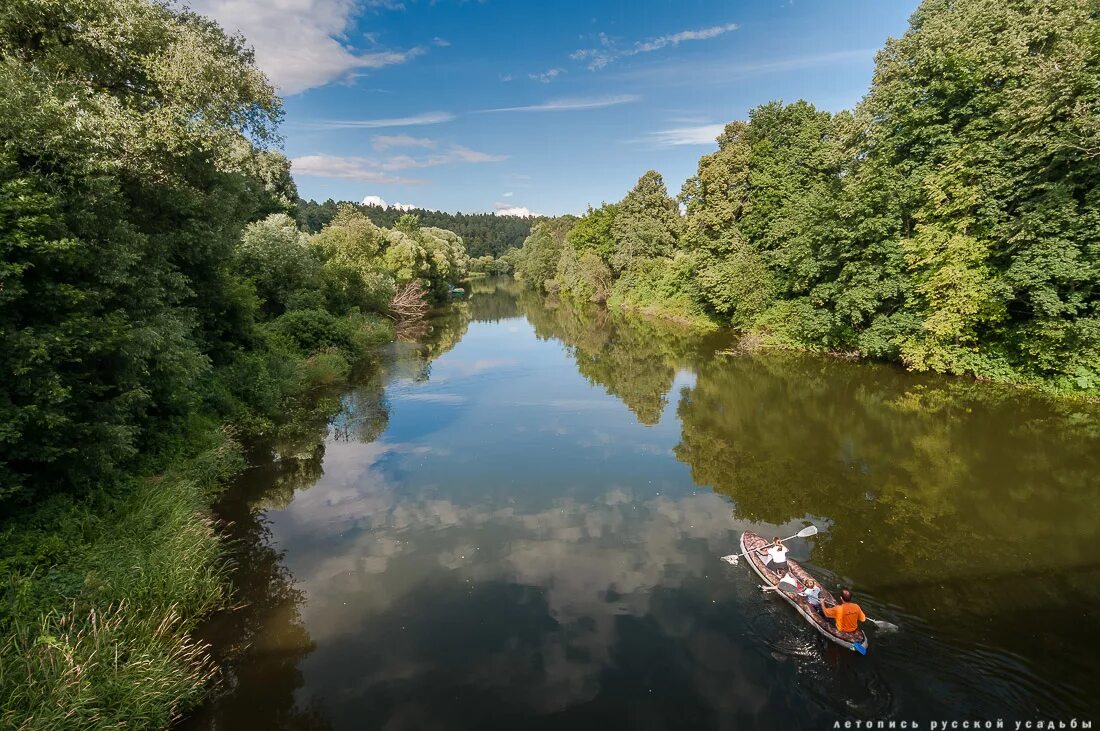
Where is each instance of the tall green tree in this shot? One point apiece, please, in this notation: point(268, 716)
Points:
point(647, 223)
point(989, 110)
point(132, 154)
point(948, 222)
point(537, 261)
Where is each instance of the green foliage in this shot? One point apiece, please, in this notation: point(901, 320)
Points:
point(103, 599)
point(309, 331)
point(324, 369)
point(131, 156)
point(275, 256)
point(537, 261)
point(586, 279)
point(152, 287)
point(488, 265)
point(447, 260)
point(594, 232)
point(662, 287)
point(951, 222)
point(351, 240)
point(991, 110)
point(738, 286)
point(646, 223)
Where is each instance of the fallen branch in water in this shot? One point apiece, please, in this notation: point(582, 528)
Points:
point(410, 302)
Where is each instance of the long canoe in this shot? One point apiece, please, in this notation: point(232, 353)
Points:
point(751, 544)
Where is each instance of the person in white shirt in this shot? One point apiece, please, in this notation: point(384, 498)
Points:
point(777, 552)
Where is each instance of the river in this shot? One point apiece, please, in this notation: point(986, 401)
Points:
point(515, 522)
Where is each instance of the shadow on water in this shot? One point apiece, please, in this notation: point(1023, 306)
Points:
point(514, 522)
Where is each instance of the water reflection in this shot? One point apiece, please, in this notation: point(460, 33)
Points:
point(514, 522)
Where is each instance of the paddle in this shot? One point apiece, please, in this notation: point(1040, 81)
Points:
point(806, 532)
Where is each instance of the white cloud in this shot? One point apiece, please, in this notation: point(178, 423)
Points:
point(564, 105)
point(547, 76)
point(506, 209)
point(465, 154)
point(676, 39)
point(608, 51)
point(704, 134)
point(298, 42)
point(379, 170)
point(347, 168)
point(385, 142)
point(683, 74)
point(509, 194)
point(440, 42)
point(413, 121)
point(380, 202)
point(456, 153)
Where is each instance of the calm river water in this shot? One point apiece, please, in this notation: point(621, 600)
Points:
point(515, 523)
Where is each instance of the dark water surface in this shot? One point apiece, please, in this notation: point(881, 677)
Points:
point(516, 522)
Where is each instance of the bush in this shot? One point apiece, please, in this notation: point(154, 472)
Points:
point(737, 285)
point(327, 368)
point(664, 287)
point(248, 392)
point(309, 331)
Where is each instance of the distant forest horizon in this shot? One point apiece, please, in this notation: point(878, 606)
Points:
point(485, 234)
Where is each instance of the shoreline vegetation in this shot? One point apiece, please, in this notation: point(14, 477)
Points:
point(949, 223)
point(161, 308)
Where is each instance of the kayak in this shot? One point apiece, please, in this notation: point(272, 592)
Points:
point(751, 543)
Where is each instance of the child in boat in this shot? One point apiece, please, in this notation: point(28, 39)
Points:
point(777, 552)
point(812, 592)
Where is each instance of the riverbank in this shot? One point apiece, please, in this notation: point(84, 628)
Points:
point(104, 591)
point(771, 332)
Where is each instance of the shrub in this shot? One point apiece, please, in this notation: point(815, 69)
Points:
point(310, 331)
point(661, 286)
point(327, 368)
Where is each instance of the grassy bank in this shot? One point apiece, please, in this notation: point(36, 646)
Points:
point(102, 592)
point(98, 628)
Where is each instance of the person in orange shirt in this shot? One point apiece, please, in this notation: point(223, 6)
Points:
point(847, 614)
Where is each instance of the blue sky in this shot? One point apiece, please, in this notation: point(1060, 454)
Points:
point(540, 106)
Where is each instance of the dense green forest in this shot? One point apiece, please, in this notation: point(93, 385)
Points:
point(950, 222)
point(160, 306)
point(485, 234)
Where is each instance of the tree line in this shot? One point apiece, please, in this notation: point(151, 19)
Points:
point(949, 222)
point(485, 234)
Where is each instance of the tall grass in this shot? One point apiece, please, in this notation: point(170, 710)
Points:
point(104, 639)
point(111, 669)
